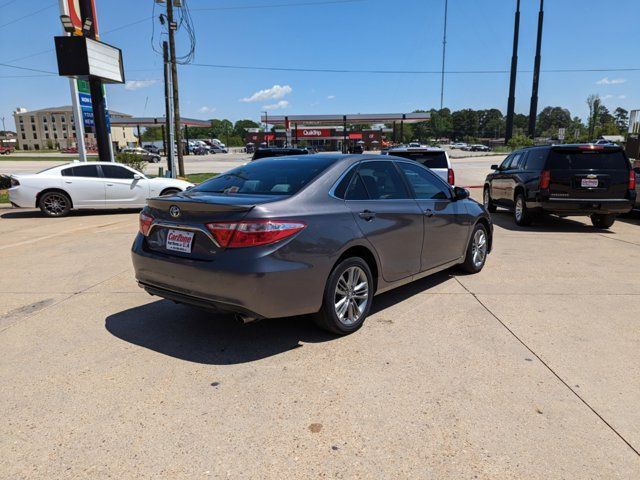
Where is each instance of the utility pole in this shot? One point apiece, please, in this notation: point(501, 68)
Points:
point(444, 51)
point(533, 110)
point(174, 85)
point(98, 102)
point(512, 83)
point(168, 111)
point(266, 127)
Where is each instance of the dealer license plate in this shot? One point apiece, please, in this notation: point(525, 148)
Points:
point(179, 241)
point(589, 182)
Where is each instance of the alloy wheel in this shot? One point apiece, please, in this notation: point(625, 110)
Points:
point(519, 208)
point(479, 248)
point(55, 204)
point(351, 295)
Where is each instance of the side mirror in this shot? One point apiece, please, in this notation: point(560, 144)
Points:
point(137, 176)
point(494, 167)
point(460, 193)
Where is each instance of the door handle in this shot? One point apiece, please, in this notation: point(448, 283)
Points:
point(109, 184)
point(428, 212)
point(368, 215)
point(68, 181)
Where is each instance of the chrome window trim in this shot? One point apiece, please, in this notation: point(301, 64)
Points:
point(181, 226)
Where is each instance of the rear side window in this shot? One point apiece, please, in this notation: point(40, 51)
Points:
point(81, 171)
point(382, 181)
point(536, 159)
point(424, 184)
point(562, 159)
point(517, 161)
point(428, 159)
point(277, 176)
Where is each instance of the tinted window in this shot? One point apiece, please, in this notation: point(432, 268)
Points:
point(536, 159)
point(278, 176)
point(505, 163)
point(81, 171)
point(423, 183)
point(564, 159)
point(356, 189)
point(114, 171)
point(382, 181)
point(515, 161)
point(428, 159)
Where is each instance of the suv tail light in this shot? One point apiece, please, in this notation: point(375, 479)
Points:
point(632, 179)
point(545, 179)
point(451, 177)
point(145, 223)
point(253, 233)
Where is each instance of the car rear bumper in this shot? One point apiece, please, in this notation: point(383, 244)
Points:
point(580, 206)
point(257, 286)
point(21, 198)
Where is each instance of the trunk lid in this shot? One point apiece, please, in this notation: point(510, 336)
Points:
point(584, 173)
point(181, 220)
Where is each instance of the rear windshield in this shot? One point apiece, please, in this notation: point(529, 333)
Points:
point(587, 160)
point(277, 153)
point(278, 176)
point(428, 159)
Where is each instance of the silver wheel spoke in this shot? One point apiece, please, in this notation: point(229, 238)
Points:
point(351, 295)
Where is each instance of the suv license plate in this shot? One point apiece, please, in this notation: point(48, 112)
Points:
point(589, 183)
point(179, 241)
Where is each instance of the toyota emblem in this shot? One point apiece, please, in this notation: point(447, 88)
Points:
point(174, 211)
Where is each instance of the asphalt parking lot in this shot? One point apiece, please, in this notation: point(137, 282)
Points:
point(529, 369)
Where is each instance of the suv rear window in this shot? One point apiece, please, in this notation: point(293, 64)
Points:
point(562, 159)
point(428, 159)
point(277, 176)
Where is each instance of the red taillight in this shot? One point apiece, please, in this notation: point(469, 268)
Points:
point(590, 147)
point(145, 223)
point(545, 179)
point(632, 180)
point(252, 233)
point(451, 177)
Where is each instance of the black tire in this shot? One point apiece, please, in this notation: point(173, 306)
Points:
point(602, 220)
point(170, 191)
point(521, 213)
point(477, 250)
point(487, 202)
point(328, 318)
point(55, 204)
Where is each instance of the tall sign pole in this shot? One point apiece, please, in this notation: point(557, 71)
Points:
point(73, 87)
point(512, 82)
point(444, 51)
point(98, 100)
point(533, 110)
point(174, 82)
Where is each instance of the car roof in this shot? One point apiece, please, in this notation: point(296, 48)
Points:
point(415, 149)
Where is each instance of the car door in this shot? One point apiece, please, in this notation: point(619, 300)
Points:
point(445, 220)
point(85, 186)
point(498, 181)
point(388, 217)
point(123, 189)
point(511, 177)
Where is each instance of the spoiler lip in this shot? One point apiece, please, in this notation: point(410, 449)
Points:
point(191, 205)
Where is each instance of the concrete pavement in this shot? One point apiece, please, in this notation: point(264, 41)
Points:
point(526, 370)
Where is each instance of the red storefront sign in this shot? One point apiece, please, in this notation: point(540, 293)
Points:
point(355, 136)
point(313, 132)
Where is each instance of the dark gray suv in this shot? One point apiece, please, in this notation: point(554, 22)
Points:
point(312, 234)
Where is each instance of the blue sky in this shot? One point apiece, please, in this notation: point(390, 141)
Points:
point(367, 34)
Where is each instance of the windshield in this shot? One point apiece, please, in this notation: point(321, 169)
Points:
point(277, 176)
point(428, 159)
point(562, 159)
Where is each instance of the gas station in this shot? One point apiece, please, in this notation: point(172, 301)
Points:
point(335, 132)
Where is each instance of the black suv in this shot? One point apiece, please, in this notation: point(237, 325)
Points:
point(593, 180)
point(277, 152)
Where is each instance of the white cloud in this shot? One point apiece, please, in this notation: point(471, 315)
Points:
point(206, 109)
point(330, 97)
point(613, 81)
point(607, 97)
point(622, 97)
point(138, 84)
point(277, 106)
point(273, 93)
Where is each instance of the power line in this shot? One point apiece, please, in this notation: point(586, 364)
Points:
point(28, 15)
point(8, 3)
point(29, 76)
point(29, 69)
point(278, 5)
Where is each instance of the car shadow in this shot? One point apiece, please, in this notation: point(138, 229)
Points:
point(201, 336)
point(546, 223)
point(34, 213)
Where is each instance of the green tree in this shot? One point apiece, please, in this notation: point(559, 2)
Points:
point(622, 119)
point(152, 134)
point(520, 123)
point(241, 126)
point(550, 119)
point(594, 103)
point(491, 123)
point(465, 123)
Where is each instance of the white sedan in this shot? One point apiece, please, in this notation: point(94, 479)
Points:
point(77, 185)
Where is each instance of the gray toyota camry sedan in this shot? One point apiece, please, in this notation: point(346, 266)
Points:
point(309, 234)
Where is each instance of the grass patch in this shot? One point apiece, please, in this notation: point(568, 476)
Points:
point(4, 196)
point(200, 177)
point(61, 158)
